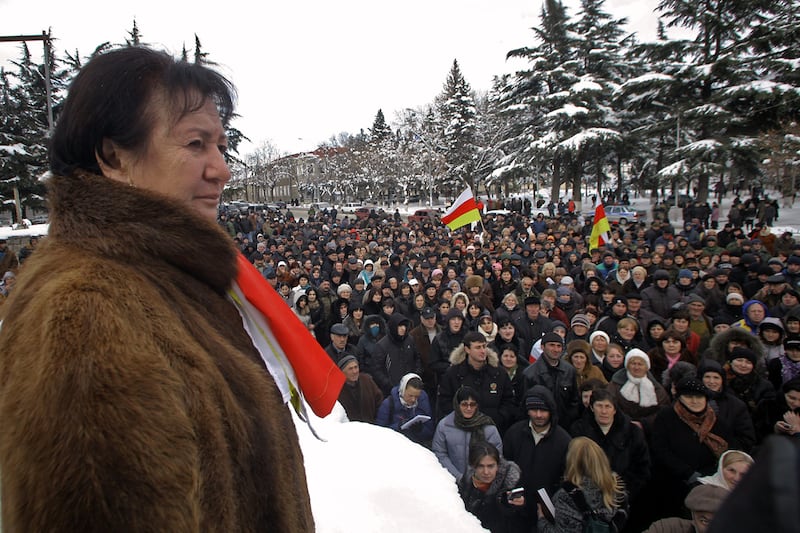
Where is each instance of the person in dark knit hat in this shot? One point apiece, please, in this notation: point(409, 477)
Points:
point(687, 441)
point(538, 444)
point(729, 409)
point(748, 385)
point(360, 395)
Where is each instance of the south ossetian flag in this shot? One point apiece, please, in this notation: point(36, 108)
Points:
point(464, 210)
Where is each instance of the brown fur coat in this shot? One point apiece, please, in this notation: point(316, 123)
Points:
point(131, 398)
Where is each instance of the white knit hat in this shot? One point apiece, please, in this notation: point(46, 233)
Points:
point(636, 352)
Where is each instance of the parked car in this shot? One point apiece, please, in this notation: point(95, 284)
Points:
point(350, 207)
point(623, 214)
point(424, 215)
point(363, 212)
point(683, 199)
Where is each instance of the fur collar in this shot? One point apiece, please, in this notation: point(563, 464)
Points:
point(459, 355)
point(100, 216)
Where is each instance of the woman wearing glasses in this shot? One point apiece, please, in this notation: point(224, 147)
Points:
point(465, 425)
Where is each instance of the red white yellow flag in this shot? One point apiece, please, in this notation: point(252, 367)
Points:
point(464, 210)
point(601, 229)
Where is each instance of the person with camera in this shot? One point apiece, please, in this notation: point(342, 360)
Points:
point(490, 490)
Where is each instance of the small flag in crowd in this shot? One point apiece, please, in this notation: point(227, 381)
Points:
point(464, 210)
point(601, 230)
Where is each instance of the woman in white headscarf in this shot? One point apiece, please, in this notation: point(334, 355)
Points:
point(640, 395)
point(733, 465)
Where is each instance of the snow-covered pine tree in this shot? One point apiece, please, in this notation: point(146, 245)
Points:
point(457, 115)
point(25, 128)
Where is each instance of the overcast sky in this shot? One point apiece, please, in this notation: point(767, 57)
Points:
point(309, 69)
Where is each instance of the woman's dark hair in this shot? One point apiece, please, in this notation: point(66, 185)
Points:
point(791, 385)
point(603, 394)
point(672, 333)
point(465, 393)
point(591, 384)
point(480, 449)
point(112, 96)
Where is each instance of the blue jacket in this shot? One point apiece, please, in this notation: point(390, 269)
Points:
point(393, 414)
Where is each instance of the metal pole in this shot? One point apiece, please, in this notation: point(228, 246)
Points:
point(47, 83)
point(677, 145)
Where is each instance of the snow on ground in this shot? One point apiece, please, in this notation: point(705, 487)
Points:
point(365, 478)
point(6, 232)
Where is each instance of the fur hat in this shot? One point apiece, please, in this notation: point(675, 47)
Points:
point(473, 281)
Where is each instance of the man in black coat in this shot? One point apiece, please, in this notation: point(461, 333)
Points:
point(558, 376)
point(339, 347)
point(539, 446)
point(623, 442)
point(473, 365)
point(396, 354)
point(532, 325)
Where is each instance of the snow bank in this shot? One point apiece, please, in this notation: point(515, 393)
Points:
point(366, 478)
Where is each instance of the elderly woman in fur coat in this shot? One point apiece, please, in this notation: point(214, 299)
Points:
point(132, 398)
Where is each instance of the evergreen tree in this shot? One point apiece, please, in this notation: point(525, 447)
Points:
point(458, 114)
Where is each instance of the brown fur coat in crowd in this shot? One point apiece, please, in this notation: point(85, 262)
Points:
point(131, 397)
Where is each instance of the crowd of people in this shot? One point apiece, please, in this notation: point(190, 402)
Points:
point(498, 349)
point(667, 348)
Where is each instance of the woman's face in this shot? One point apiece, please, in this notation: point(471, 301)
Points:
point(693, 402)
point(599, 344)
point(183, 160)
point(742, 366)
point(474, 311)
point(712, 381)
point(671, 345)
point(468, 407)
point(508, 359)
point(627, 332)
point(656, 331)
point(578, 360)
point(615, 358)
point(770, 335)
point(733, 472)
point(506, 332)
point(792, 399)
point(486, 469)
point(637, 367)
point(312, 295)
point(461, 304)
point(419, 301)
point(411, 395)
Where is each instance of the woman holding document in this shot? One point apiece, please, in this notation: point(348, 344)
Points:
point(591, 491)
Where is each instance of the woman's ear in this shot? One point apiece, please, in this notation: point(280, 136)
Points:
point(111, 162)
